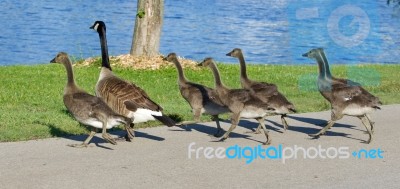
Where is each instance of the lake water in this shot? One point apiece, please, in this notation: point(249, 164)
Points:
point(267, 31)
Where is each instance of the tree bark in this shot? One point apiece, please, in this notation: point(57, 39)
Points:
point(147, 31)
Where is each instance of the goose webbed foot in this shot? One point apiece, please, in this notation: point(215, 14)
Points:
point(218, 139)
point(109, 139)
point(268, 142)
point(316, 135)
point(257, 131)
point(83, 145)
point(323, 130)
point(369, 140)
point(87, 140)
point(184, 123)
point(130, 134)
point(219, 133)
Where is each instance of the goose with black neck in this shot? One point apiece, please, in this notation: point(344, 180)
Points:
point(123, 96)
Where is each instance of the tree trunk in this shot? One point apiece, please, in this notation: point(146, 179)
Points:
point(147, 31)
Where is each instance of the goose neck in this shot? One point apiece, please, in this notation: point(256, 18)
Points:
point(70, 73)
point(324, 71)
point(181, 74)
point(217, 77)
point(105, 62)
point(243, 71)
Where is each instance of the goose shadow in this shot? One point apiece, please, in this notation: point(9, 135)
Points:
point(57, 132)
point(321, 122)
point(313, 121)
point(210, 130)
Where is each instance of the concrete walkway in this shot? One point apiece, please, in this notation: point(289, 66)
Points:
point(159, 157)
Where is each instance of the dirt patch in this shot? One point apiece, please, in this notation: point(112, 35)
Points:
point(139, 62)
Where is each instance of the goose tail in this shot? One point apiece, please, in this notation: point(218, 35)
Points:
point(165, 120)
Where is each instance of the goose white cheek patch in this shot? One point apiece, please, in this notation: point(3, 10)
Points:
point(96, 26)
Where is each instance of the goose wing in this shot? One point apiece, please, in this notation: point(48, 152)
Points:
point(88, 98)
point(122, 94)
point(241, 95)
point(345, 92)
point(356, 95)
point(91, 104)
point(264, 89)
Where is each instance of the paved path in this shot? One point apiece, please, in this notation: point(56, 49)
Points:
point(159, 158)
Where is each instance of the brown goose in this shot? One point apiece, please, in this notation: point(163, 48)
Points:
point(241, 102)
point(123, 96)
point(267, 92)
point(202, 99)
point(88, 109)
point(346, 97)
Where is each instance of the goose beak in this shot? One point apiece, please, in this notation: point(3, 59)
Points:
point(164, 58)
point(305, 55)
point(200, 64)
point(229, 54)
point(53, 60)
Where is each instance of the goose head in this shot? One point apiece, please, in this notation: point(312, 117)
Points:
point(170, 57)
point(61, 58)
point(314, 53)
point(236, 52)
point(206, 62)
point(98, 26)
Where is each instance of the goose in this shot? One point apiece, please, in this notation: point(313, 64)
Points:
point(88, 109)
point(267, 92)
point(242, 103)
point(345, 96)
point(201, 99)
point(123, 96)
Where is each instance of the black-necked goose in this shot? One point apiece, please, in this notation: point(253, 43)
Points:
point(267, 92)
point(88, 109)
point(346, 97)
point(202, 99)
point(241, 102)
point(123, 96)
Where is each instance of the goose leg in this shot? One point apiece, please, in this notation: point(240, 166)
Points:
point(323, 130)
point(371, 122)
point(105, 135)
point(335, 115)
point(130, 133)
point(87, 140)
point(368, 126)
point(265, 132)
point(234, 122)
point(260, 123)
point(196, 116)
point(284, 122)
point(219, 128)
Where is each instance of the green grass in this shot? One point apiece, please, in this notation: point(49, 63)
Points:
point(31, 104)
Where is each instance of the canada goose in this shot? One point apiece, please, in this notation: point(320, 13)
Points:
point(88, 109)
point(346, 97)
point(122, 96)
point(202, 99)
point(267, 92)
point(241, 102)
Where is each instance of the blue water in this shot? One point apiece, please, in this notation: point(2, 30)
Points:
point(277, 32)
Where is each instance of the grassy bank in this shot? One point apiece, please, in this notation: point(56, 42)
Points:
point(31, 104)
